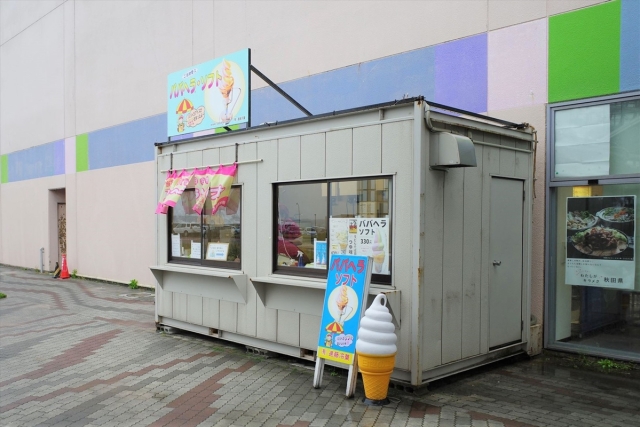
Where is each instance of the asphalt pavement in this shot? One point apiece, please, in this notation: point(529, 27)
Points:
point(83, 353)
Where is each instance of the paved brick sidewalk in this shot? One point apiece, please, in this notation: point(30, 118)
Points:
point(83, 353)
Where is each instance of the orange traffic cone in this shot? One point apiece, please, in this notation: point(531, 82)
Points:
point(64, 273)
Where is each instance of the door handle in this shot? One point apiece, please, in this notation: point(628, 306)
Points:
point(497, 262)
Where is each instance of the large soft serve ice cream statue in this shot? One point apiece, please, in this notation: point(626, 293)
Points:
point(376, 350)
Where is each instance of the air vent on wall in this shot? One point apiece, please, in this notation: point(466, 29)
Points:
point(447, 150)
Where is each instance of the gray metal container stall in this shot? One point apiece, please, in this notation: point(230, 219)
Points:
point(460, 286)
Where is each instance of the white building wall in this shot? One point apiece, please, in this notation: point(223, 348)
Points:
point(17, 16)
point(124, 52)
point(72, 67)
point(115, 223)
point(32, 84)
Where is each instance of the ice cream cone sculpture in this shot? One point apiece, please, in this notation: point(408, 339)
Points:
point(376, 350)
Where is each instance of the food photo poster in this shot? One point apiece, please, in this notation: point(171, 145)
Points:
point(601, 241)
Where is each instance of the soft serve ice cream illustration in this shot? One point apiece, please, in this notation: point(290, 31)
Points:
point(342, 241)
point(341, 301)
point(378, 251)
point(376, 350)
point(225, 85)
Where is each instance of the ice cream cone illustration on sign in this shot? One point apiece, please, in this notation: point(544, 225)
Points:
point(342, 241)
point(376, 350)
point(225, 85)
point(342, 302)
point(378, 251)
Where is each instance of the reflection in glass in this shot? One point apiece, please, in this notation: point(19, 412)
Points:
point(625, 138)
point(223, 228)
point(195, 238)
point(315, 220)
point(186, 223)
point(301, 219)
point(364, 198)
point(360, 220)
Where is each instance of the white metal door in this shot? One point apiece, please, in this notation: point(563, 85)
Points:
point(505, 262)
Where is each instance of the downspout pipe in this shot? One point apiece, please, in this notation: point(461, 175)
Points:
point(41, 260)
point(427, 120)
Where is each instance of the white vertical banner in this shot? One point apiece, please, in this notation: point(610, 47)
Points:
point(582, 141)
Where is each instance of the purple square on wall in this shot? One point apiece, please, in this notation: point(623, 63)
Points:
point(461, 74)
point(58, 157)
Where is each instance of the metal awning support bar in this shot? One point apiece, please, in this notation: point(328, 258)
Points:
point(215, 166)
point(280, 91)
point(479, 116)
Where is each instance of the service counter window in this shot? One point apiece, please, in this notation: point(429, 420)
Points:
point(209, 240)
point(314, 220)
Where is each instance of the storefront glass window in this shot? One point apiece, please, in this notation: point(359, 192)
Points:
point(597, 140)
point(597, 280)
point(316, 220)
point(212, 240)
point(301, 222)
point(593, 285)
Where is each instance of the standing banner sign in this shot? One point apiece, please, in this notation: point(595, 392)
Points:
point(601, 235)
point(345, 300)
point(211, 95)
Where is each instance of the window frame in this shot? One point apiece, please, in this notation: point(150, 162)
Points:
point(203, 262)
point(553, 184)
point(378, 279)
point(569, 105)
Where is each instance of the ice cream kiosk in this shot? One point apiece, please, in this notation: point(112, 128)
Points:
point(439, 198)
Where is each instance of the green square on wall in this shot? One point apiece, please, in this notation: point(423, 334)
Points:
point(82, 152)
point(584, 53)
point(4, 169)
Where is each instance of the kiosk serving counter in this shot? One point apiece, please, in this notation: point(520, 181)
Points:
point(440, 201)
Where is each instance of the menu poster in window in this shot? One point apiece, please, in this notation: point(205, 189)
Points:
point(320, 254)
point(196, 250)
point(601, 235)
point(343, 242)
point(348, 281)
point(362, 236)
point(217, 251)
point(175, 245)
point(373, 241)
